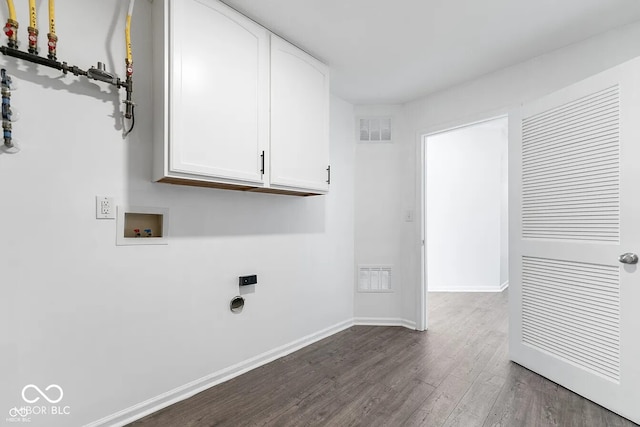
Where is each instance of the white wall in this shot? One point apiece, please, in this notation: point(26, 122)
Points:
point(115, 326)
point(463, 205)
point(379, 215)
point(489, 96)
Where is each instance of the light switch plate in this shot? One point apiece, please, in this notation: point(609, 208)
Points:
point(408, 215)
point(105, 208)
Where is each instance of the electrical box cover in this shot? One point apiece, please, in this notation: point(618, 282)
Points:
point(248, 280)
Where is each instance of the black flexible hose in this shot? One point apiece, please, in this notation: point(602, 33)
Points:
point(133, 120)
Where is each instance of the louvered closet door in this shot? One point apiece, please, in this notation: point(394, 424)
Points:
point(574, 208)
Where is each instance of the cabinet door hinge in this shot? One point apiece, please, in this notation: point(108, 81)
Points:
point(329, 174)
point(262, 162)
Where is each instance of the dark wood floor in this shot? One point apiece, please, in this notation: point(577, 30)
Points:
point(456, 374)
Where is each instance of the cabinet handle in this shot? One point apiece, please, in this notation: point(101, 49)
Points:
point(329, 174)
point(262, 160)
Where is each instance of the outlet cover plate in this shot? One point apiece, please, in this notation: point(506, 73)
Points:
point(105, 208)
point(248, 280)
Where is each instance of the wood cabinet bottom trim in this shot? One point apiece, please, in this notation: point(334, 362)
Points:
point(235, 187)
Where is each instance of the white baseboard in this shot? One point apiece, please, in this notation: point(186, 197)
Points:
point(384, 321)
point(178, 394)
point(501, 288)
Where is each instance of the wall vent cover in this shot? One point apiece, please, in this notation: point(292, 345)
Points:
point(374, 129)
point(374, 278)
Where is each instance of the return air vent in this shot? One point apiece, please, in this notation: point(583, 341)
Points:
point(374, 129)
point(571, 310)
point(571, 170)
point(374, 278)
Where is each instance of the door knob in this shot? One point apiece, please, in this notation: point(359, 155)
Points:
point(628, 258)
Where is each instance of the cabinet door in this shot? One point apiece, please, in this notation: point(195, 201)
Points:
point(299, 119)
point(219, 88)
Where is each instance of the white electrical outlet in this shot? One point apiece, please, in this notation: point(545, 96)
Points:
point(105, 208)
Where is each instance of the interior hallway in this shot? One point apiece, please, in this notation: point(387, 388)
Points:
point(456, 374)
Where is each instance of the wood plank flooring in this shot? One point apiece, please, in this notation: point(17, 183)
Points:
point(456, 374)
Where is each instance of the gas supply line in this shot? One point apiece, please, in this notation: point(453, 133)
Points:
point(11, 27)
point(33, 28)
point(51, 35)
point(94, 73)
point(129, 113)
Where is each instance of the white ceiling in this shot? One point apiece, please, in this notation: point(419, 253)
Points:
point(385, 51)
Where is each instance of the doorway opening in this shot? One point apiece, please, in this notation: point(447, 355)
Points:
point(465, 209)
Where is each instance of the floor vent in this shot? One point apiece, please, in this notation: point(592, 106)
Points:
point(374, 278)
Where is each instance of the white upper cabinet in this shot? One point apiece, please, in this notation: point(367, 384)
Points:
point(299, 118)
point(218, 93)
point(221, 119)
